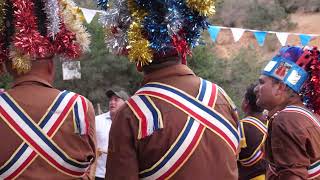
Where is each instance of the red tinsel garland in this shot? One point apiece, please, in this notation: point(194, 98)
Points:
point(27, 39)
point(181, 46)
point(65, 43)
point(312, 86)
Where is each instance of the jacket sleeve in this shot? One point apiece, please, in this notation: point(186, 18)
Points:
point(254, 139)
point(122, 160)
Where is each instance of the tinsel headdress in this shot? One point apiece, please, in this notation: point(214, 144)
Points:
point(39, 29)
point(144, 29)
point(299, 69)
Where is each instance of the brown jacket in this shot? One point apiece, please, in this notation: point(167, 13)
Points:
point(254, 141)
point(35, 96)
point(293, 144)
point(212, 159)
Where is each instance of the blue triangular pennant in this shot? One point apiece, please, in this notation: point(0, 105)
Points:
point(214, 31)
point(304, 39)
point(260, 36)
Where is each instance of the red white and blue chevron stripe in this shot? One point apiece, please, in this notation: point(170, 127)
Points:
point(37, 138)
point(303, 111)
point(148, 114)
point(80, 116)
point(314, 170)
point(207, 116)
point(257, 123)
point(254, 158)
point(187, 141)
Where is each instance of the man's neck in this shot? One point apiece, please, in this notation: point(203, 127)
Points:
point(291, 101)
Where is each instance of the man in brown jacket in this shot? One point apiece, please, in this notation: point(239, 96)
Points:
point(46, 133)
point(177, 125)
point(293, 142)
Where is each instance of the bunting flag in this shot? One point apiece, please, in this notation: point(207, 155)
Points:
point(282, 37)
point(260, 36)
point(89, 14)
point(304, 39)
point(214, 31)
point(237, 33)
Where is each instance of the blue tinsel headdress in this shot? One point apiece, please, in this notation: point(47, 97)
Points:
point(142, 29)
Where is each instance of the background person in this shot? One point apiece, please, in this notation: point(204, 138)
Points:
point(251, 162)
point(116, 98)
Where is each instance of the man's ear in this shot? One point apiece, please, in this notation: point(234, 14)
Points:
point(50, 66)
point(280, 89)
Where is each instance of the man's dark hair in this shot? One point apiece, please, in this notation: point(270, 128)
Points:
point(250, 96)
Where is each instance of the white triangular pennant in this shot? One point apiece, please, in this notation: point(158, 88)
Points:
point(282, 37)
point(237, 33)
point(88, 14)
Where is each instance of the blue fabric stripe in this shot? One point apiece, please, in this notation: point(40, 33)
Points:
point(153, 111)
point(53, 109)
point(77, 118)
point(171, 153)
point(199, 105)
point(14, 159)
point(182, 138)
point(33, 127)
point(313, 166)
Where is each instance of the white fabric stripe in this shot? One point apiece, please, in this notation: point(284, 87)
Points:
point(304, 112)
point(178, 153)
point(253, 158)
point(315, 169)
point(36, 138)
point(254, 121)
point(81, 116)
point(46, 129)
point(199, 111)
point(147, 113)
point(17, 164)
point(207, 95)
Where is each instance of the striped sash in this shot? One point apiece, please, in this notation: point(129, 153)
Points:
point(38, 137)
point(187, 141)
point(303, 111)
point(314, 170)
point(207, 116)
point(258, 153)
point(147, 113)
point(81, 122)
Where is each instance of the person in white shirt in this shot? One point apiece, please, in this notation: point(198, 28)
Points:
point(103, 123)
